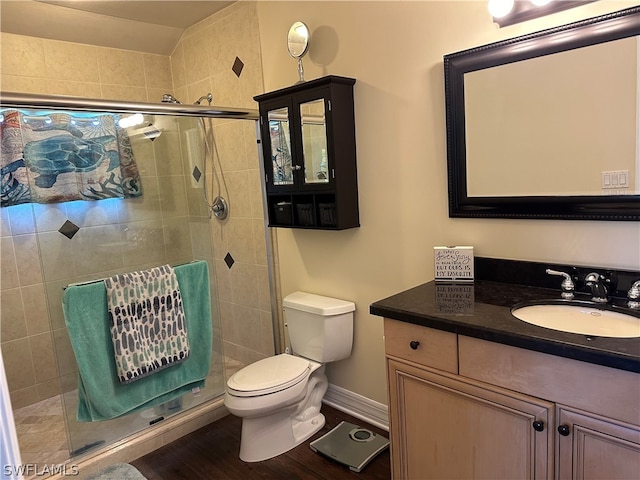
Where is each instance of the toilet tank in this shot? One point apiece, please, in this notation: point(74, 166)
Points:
point(320, 328)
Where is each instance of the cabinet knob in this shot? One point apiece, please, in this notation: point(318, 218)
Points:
point(564, 430)
point(414, 344)
point(538, 426)
point(297, 167)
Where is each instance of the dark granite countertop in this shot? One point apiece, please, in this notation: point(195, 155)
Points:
point(482, 309)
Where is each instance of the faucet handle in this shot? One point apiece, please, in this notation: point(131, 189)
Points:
point(594, 277)
point(567, 284)
point(599, 285)
point(634, 295)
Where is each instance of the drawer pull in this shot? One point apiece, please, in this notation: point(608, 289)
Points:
point(563, 430)
point(538, 426)
point(414, 344)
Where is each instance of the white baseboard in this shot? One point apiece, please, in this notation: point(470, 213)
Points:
point(357, 406)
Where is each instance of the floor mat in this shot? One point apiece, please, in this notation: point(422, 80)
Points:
point(119, 471)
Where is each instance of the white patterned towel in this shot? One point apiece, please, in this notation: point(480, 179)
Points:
point(147, 323)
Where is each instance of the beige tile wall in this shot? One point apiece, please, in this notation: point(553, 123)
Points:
point(37, 65)
point(32, 250)
point(116, 235)
point(201, 63)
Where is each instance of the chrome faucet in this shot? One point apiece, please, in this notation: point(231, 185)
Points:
point(567, 284)
point(596, 282)
point(634, 295)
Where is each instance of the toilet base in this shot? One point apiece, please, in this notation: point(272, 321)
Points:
point(267, 437)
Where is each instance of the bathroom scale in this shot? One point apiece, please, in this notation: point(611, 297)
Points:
point(350, 445)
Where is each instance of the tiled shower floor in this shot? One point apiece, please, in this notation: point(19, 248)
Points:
point(41, 432)
point(41, 427)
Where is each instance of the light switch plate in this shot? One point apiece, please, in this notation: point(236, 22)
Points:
point(615, 179)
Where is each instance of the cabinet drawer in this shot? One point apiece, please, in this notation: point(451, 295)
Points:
point(433, 348)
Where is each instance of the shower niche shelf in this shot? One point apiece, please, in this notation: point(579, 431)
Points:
point(309, 147)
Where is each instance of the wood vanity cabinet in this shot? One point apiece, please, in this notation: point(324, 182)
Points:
point(466, 408)
point(309, 150)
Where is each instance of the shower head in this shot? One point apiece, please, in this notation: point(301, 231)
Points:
point(168, 98)
point(208, 97)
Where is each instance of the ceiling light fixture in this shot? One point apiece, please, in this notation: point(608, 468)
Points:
point(500, 8)
point(508, 12)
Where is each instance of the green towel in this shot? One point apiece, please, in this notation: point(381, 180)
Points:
point(100, 394)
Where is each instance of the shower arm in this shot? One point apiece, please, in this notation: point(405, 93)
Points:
point(62, 102)
point(208, 97)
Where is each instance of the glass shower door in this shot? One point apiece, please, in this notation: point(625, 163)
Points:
point(87, 241)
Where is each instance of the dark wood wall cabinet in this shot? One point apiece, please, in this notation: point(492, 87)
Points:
point(309, 147)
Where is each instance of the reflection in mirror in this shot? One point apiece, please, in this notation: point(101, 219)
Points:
point(546, 125)
point(562, 122)
point(298, 40)
point(314, 141)
point(280, 146)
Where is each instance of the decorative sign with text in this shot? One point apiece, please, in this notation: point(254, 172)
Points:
point(453, 264)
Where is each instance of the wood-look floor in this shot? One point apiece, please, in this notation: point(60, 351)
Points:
point(211, 453)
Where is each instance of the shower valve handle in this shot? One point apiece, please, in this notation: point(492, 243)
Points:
point(220, 208)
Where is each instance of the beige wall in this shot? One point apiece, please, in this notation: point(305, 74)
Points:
point(394, 50)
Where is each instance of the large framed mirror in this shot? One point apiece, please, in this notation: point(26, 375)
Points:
point(547, 125)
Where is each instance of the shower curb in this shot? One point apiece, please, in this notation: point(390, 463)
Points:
point(148, 440)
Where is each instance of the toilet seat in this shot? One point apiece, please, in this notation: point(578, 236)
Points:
point(269, 375)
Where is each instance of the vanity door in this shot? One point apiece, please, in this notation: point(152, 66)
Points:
point(442, 427)
point(590, 446)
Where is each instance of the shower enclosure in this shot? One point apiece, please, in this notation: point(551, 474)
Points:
point(168, 220)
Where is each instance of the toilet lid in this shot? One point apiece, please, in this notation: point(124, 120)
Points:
point(269, 375)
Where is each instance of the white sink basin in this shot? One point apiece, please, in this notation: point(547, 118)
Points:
point(580, 319)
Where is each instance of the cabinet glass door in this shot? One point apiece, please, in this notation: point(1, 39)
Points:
point(314, 142)
point(280, 139)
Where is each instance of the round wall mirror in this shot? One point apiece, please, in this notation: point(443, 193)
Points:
point(298, 44)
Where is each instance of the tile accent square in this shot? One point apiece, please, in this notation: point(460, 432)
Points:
point(228, 259)
point(196, 173)
point(238, 65)
point(69, 229)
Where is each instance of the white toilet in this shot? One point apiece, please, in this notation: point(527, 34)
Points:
point(279, 398)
